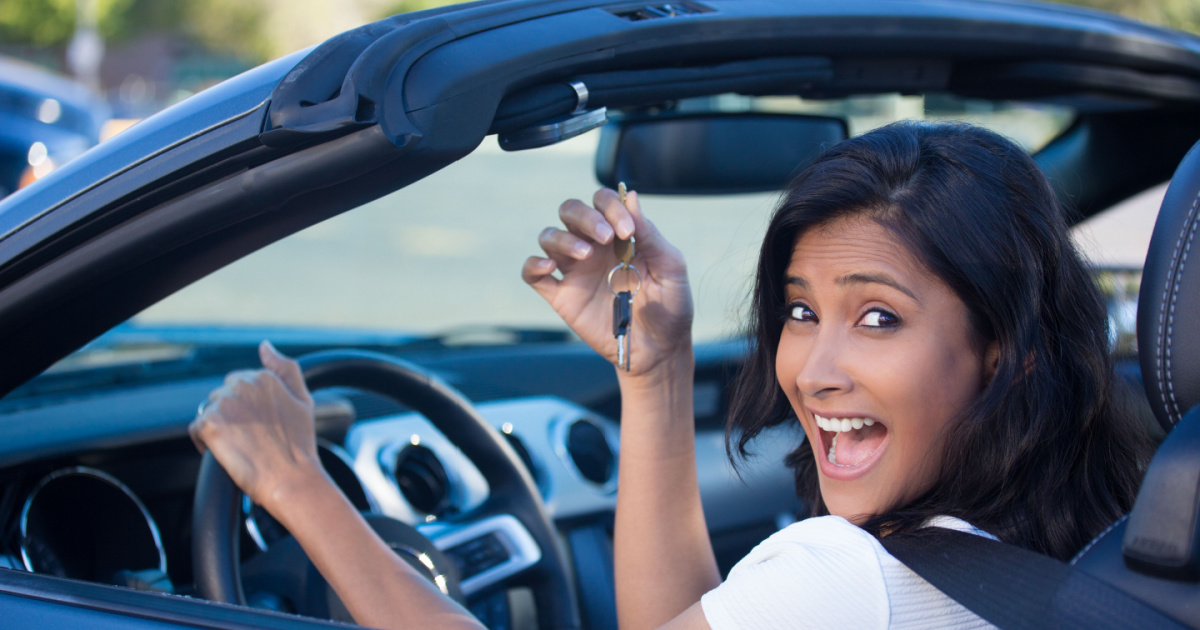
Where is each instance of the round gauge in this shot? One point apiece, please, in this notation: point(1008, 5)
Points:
point(82, 523)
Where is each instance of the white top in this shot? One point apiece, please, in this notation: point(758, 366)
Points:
point(825, 572)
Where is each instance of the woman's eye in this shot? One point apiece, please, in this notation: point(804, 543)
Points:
point(802, 313)
point(879, 318)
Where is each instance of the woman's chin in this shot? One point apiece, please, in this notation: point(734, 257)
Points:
point(856, 509)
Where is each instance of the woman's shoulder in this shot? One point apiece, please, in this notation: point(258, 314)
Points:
point(823, 571)
point(819, 533)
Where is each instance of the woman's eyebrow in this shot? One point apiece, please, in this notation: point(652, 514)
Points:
point(875, 278)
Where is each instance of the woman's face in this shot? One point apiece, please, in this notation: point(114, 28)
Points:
point(877, 356)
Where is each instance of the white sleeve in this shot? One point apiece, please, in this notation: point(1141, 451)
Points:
point(818, 573)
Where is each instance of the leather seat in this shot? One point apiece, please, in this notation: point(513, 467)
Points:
point(1154, 552)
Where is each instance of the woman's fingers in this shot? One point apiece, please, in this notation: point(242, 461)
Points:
point(536, 272)
point(199, 428)
point(617, 214)
point(648, 238)
point(563, 246)
point(233, 378)
point(585, 221)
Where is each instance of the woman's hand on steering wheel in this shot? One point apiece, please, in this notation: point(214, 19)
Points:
point(583, 253)
point(260, 427)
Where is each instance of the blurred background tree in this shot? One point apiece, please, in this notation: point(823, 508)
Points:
point(1180, 14)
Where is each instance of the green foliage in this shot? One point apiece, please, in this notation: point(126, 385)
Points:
point(51, 22)
point(407, 6)
point(231, 27)
point(1179, 14)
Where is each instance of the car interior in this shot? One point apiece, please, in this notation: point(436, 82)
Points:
point(481, 441)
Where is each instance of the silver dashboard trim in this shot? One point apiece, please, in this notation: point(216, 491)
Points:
point(523, 550)
point(435, 574)
point(456, 497)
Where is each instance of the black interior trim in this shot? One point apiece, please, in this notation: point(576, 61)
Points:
point(27, 590)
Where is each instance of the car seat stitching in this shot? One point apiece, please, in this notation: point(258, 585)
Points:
point(1164, 328)
point(1190, 229)
point(1092, 542)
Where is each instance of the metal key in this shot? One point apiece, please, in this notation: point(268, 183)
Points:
point(623, 310)
point(622, 317)
point(623, 300)
point(624, 248)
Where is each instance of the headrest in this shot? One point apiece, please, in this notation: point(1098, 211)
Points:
point(1168, 327)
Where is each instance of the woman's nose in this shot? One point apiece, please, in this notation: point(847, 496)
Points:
point(823, 372)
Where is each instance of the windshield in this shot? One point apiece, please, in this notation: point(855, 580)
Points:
point(445, 253)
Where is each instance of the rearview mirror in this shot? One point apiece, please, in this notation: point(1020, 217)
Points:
point(712, 154)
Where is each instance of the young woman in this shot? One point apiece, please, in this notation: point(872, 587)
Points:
point(919, 312)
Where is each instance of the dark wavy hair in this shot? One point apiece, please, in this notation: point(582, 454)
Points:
point(1048, 455)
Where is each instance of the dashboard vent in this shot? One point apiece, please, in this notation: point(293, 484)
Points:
point(422, 480)
point(589, 450)
point(662, 10)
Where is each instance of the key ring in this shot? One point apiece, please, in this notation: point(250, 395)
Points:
point(631, 268)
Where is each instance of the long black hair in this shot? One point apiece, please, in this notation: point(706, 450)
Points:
point(1047, 456)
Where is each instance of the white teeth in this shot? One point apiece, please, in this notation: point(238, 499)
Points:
point(842, 425)
point(833, 453)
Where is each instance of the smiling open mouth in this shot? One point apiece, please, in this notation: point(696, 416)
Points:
point(851, 441)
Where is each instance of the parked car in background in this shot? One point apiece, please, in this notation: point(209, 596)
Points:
point(379, 192)
point(45, 121)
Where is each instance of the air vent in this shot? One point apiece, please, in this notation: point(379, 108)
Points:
point(422, 480)
point(588, 449)
point(657, 11)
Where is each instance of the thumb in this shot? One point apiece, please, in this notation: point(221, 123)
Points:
point(650, 242)
point(286, 369)
point(647, 234)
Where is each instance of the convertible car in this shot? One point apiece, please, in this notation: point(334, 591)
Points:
point(366, 204)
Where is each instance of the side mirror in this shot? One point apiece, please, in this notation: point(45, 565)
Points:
point(712, 154)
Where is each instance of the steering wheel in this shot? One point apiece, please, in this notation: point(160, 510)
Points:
point(513, 496)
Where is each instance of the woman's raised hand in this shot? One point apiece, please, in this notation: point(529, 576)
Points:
point(259, 426)
point(583, 252)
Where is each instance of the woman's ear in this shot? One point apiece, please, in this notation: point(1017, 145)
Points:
point(991, 360)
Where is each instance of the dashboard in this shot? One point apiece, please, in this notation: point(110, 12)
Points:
point(99, 488)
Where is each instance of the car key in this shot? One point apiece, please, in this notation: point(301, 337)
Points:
point(624, 248)
point(622, 317)
point(623, 300)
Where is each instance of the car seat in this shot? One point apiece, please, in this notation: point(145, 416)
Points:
point(1153, 553)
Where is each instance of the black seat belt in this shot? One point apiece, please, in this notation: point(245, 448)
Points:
point(1018, 589)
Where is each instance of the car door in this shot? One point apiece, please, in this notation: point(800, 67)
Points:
point(311, 135)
